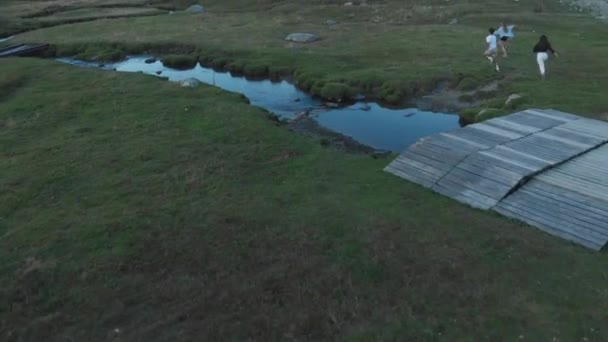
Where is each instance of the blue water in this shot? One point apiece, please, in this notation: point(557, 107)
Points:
point(391, 129)
point(366, 122)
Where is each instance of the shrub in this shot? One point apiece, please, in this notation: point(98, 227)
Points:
point(392, 91)
point(110, 56)
point(219, 62)
point(255, 70)
point(181, 62)
point(236, 67)
point(337, 91)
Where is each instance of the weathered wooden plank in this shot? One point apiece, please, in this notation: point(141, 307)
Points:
point(572, 213)
point(458, 196)
point(574, 185)
point(506, 127)
point(548, 228)
point(512, 125)
point(412, 175)
point(554, 143)
point(425, 160)
point(559, 221)
point(547, 121)
point(599, 154)
point(571, 135)
point(518, 157)
point(576, 206)
point(577, 177)
point(544, 144)
point(462, 141)
point(581, 172)
point(484, 160)
point(521, 155)
point(583, 132)
point(402, 163)
point(508, 134)
point(484, 186)
point(554, 220)
point(531, 152)
point(544, 114)
point(585, 167)
point(597, 157)
point(591, 161)
point(472, 138)
point(464, 195)
point(484, 134)
point(533, 120)
point(589, 123)
point(437, 142)
point(496, 174)
point(552, 156)
point(568, 195)
point(437, 153)
point(594, 128)
point(561, 114)
point(509, 160)
point(449, 143)
point(557, 207)
point(598, 191)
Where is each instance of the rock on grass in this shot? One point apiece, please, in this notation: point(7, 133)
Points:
point(300, 37)
point(195, 9)
point(190, 83)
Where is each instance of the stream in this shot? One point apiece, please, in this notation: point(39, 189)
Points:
point(368, 123)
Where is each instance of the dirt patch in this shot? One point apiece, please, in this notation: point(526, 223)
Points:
point(450, 99)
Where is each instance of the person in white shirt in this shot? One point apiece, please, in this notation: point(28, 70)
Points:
point(491, 51)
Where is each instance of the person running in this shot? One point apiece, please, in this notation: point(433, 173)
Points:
point(540, 49)
point(491, 51)
point(504, 33)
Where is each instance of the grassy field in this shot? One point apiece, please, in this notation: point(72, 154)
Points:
point(135, 210)
point(372, 49)
point(24, 15)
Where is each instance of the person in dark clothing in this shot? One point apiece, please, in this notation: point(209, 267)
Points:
point(541, 50)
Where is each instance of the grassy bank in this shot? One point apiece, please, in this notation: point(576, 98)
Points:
point(17, 16)
point(138, 209)
point(388, 50)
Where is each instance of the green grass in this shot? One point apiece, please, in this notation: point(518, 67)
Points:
point(96, 13)
point(167, 212)
point(180, 61)
point(25, 15)
point(134, 209)
point(402, 56)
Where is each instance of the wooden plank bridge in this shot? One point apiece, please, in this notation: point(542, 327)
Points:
point(543, 167)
